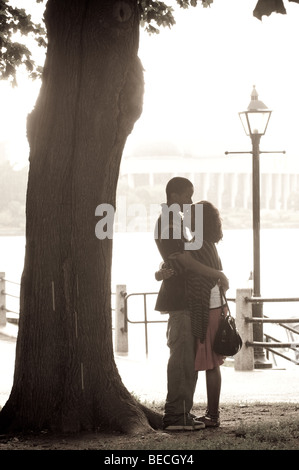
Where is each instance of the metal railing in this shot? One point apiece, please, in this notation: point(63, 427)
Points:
point(146, 322)
point(245, 359)
point(3, 295)
point(272, 342)
point(122, 308)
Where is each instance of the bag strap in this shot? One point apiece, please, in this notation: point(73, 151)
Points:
point(223, 296)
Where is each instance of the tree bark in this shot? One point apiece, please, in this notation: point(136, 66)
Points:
point(65, 377)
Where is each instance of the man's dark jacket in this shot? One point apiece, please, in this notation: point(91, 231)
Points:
point(172, 294)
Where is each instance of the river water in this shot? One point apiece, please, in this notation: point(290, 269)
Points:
point(136, 258)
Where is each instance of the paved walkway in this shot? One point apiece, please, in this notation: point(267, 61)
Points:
point(146, 378)
point(268, 385)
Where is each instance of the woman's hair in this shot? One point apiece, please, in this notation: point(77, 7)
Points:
point(212, 224)
point(178, 185)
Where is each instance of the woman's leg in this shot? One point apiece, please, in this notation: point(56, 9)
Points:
point(213, 381)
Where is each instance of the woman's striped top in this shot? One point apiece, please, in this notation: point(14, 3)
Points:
point(199, 289)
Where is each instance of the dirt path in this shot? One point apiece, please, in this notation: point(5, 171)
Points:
point(235, 422)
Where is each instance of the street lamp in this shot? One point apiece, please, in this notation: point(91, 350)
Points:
point(255, 122)
point(256, 118)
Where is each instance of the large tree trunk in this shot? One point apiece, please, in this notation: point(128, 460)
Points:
point(91, 95)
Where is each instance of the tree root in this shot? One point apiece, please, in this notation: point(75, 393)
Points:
point(154, 418)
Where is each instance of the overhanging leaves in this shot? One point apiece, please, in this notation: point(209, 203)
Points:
point(152, 11)
point(154, 14)
point(14, 54)
point(267, 7)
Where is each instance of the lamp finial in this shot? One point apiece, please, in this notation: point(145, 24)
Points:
point(255, 104)
point(254, 94)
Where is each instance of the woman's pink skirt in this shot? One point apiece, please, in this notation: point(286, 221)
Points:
point(206, 358)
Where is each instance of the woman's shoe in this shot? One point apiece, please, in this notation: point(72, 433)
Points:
point(211, 421)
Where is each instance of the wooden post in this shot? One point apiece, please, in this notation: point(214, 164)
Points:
point(244, 360)
point(121, 330)
point(2, 300)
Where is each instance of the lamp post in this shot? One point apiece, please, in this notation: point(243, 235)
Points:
point(255, 122)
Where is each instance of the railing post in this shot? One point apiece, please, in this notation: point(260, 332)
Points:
point(244, 360)
point(2, 300)
point(121, 330)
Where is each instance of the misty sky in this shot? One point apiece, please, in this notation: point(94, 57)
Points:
point(198, 76)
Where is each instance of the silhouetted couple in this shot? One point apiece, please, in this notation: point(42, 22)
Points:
point(191, 275)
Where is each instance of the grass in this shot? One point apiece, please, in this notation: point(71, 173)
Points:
point(282, 435)
point(251, 426)
point(254, 426)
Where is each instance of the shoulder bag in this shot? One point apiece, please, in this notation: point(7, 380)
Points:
point(227, 340)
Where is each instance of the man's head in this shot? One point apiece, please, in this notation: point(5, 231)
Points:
point(179, 190)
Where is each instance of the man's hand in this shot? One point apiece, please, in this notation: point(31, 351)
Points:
point(164, 273)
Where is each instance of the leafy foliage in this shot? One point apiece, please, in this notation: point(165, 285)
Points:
point(14, 54)
point(154, 11)
point(154, 14)
point(266, 7)
point(15, 21)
